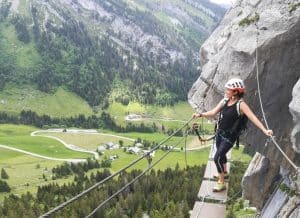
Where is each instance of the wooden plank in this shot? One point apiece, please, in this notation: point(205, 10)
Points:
point(211, 170)
point(204, 210)
point(206, 191)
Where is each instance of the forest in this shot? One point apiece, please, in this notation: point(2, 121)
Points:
point(152, 194)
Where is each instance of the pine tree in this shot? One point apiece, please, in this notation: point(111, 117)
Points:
point(139, 213)
point(4, 186)
point(4, 175)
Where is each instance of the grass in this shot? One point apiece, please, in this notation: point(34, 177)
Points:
point(88, 141)
point(197, 157)
point(152, 137)
point(293, 7)
point(27, 55)
point(193, 158)
point(19, 137)
point(238, 155)
point(181, 111)
point(62, 103)
point(26, 172)
point(92, 141)
point(249, 20)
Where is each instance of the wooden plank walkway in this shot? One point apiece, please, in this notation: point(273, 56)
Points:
point(206, 191)
point(211, 170)
point(203, 209)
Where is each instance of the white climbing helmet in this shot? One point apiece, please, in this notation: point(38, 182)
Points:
point(235, 84)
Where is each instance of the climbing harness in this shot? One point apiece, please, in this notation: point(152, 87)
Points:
point(195, 128)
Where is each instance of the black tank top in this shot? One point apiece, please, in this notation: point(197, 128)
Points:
point(228, 117)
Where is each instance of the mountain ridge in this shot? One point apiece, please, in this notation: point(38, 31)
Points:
point(149, 47)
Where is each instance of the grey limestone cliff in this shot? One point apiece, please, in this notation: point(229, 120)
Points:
point(263, 34)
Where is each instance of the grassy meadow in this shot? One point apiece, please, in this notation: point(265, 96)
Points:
point(61, 103)
point(89, 141)
point(18, 136)
point(26, 172)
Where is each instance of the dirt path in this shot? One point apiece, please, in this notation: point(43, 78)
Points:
point(194, 145)
point(78, 131)
point(42, 156)
point(69, 146)
point(137, 117)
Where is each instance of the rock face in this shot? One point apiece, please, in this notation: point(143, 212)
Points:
point(295, 111)
point(267, 33)
point(258, 178)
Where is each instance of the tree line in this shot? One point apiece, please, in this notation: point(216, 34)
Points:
point(81, 121)
point(68, 169)
point(168, 193)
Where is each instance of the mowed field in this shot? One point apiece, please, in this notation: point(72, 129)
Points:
point(89, 141)
point(168, 116)
point(18, 136)
point(26, 172)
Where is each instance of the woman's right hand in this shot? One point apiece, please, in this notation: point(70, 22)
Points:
point(195, 115)
point(268, 132)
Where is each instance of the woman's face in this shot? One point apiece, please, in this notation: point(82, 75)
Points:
point(229, 93)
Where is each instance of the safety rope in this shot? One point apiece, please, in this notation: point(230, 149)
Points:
point(133, 181)
point(185, 140)
point(202, 139)
point(64, 204)
point(262, 108)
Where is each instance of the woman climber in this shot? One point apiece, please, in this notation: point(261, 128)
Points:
point(232, 109)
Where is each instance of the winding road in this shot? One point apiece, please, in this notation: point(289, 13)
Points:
point(72, 147)
point(42, 156)
point(69, 146)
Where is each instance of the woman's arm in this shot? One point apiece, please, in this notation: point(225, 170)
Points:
point(245, 109)
point(212, 112)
